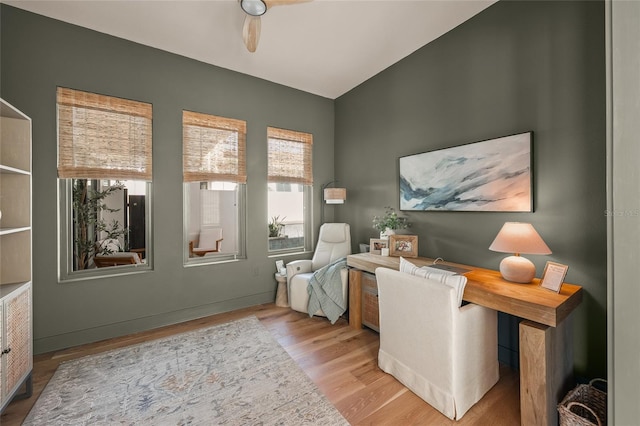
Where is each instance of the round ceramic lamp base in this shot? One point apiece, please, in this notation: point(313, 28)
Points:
point(517, 269)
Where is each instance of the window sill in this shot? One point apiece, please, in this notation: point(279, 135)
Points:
point(108, 272)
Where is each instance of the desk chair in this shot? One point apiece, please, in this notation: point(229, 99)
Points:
point(445, 353)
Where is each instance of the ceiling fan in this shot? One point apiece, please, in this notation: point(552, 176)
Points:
point(254, 10)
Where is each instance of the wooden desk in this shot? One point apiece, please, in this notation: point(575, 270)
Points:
point(545, 339)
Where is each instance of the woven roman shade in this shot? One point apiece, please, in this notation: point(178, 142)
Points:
point(103, 137)
point(289, 156)
point(213, 148)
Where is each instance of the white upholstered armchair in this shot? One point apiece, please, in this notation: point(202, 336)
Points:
point(209, 241)
point(334, 242)
point(444, 353)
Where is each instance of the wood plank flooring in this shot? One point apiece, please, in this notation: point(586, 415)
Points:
point(340, 360)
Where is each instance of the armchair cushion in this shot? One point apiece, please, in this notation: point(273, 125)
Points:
point(209, 238)
point(457, 282)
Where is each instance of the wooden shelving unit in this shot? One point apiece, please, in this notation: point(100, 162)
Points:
point(16, 342)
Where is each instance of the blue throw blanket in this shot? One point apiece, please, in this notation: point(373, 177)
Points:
point(325, 291)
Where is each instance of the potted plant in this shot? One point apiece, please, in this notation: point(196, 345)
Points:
point(388, 223)
point(88, 204)
point(275, 226)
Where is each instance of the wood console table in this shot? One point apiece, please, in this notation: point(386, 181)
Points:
point(545, 339)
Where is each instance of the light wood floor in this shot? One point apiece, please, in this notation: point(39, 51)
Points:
point(340, 360)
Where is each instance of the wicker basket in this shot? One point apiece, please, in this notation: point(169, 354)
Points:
point(585, 405)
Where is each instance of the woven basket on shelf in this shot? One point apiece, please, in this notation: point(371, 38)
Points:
point(585, 405)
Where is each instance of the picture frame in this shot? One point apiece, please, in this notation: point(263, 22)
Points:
point(493, 175)
point(377, 244)
point(403, 245)
point(280, 269)
point(553, 276)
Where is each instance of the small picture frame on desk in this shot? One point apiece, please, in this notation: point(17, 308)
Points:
point(403, 245)
point(553, 276)
point(376, 245)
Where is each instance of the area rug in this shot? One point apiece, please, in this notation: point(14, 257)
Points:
point(230, 374)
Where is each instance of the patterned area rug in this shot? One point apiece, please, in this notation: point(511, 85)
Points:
point(230, 374)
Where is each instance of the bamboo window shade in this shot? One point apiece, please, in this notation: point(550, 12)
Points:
point(289, 156)
point(103, 137)
point(213, 148)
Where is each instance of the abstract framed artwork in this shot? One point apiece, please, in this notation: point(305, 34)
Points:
point(493, 175)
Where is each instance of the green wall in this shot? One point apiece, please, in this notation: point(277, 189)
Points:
point(517, 66)
point(39, 54)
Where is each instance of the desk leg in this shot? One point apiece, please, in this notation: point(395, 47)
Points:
point(546, 371)
point(355, 298)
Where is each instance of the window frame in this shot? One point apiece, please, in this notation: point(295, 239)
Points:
point(238, 176)
point(307, 191)
point(213, 258)
point(65, 240)
point(73, 98)
point(306, 181)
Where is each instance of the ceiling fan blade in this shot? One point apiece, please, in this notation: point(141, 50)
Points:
point(251, 32)
point(271, 3)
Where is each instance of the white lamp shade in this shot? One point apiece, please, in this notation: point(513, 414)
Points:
point(520, 238)
point(335, 195)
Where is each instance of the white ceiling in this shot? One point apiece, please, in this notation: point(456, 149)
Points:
point(325, 47)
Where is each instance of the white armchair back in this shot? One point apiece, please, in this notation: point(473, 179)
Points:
point(334, 242)
point(447, 355)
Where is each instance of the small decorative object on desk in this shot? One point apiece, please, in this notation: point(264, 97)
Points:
point(376, 245)
point(585, 405)
point(553, 276)
point(389, 222)
point(403, 245)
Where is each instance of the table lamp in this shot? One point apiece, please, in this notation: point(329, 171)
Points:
point(518, 238)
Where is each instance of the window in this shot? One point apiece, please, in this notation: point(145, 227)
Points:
point(214, 174)
point(290, 180)
point(105, 173)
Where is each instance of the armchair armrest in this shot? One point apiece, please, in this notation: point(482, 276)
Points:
point(196, 251)
point(298, 267)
